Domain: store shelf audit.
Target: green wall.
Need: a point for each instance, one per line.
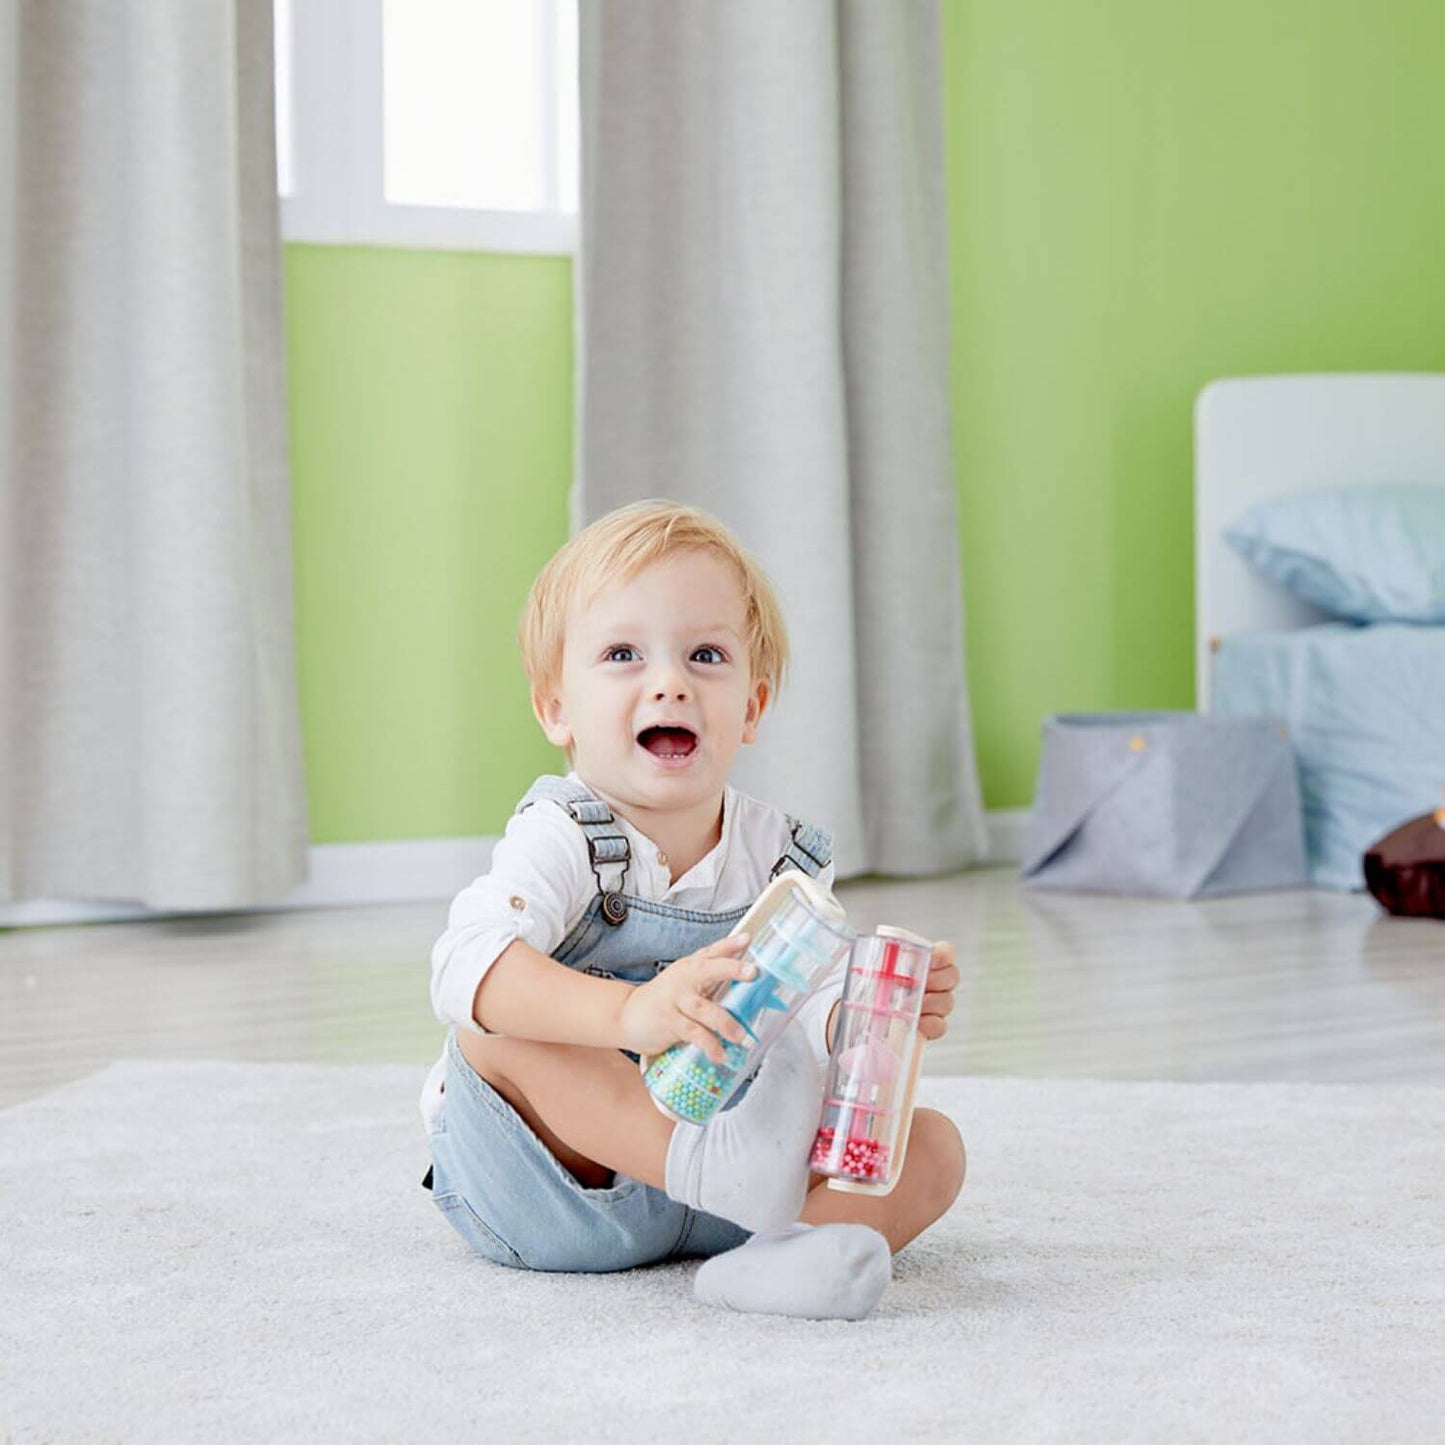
(1144, 194)
(431, 444)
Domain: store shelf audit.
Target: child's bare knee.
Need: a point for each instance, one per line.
(937, 1138)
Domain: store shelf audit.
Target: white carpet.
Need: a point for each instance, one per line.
(194, 1252)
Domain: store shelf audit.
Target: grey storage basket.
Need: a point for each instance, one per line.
(1170, 804)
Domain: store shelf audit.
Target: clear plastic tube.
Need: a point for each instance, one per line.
(871, 1071)
(793, 948)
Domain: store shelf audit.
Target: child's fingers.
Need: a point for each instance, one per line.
(728, 947)
(724, 949)
(943, 978)
(719, 965)
(689, 1031)
(715, 1021)
(711, 969)
(938, 1001)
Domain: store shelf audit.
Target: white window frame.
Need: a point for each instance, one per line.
(337, 143)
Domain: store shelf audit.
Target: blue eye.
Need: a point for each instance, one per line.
(716, 654)
(620, 653)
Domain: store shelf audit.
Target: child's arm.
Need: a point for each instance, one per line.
(538, 885)
(527, 995)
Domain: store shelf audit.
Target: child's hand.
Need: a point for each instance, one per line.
(938, 994)
(675, 1008)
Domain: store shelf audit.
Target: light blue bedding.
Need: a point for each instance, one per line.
(1366, 709)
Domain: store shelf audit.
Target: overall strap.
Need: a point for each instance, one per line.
(607, 845)
(810, 849)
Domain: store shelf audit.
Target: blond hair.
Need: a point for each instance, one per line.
(616, 548)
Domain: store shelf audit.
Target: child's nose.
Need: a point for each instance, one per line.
(671, 683)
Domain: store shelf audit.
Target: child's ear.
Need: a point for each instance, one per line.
(547, 707)
(757, 704)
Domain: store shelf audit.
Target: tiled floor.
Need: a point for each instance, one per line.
(1301, 985)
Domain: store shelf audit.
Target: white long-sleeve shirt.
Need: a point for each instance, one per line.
(540, 883)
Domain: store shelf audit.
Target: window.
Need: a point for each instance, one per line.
(432, 123)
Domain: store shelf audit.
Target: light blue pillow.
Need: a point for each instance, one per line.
(1367, 553)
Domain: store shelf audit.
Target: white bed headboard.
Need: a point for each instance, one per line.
(1268, 436)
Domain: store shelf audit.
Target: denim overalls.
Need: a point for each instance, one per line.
(498, 1184)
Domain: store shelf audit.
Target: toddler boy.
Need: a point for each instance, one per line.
(653, 644)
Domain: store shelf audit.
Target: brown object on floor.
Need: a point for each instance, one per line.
(1405, 870)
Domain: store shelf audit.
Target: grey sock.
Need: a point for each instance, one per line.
(823, 1272)
(750, 1163)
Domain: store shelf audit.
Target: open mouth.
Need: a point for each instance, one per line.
(671, 744)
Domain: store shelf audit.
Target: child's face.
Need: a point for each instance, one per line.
(656, 693)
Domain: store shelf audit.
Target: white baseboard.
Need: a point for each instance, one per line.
(417, 870)
(420, 870)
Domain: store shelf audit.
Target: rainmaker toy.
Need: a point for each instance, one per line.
(798, 933)
(873, 1072)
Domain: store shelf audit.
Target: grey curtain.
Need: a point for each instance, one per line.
(149, 739)
(763, 331)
